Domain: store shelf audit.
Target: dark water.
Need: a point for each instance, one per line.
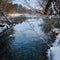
(24, 43)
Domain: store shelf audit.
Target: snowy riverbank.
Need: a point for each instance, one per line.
(3, 27)
(54, 52)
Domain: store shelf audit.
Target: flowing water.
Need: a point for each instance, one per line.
(24, 42)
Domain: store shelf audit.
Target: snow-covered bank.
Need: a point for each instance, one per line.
(54, 52)
(3, 27)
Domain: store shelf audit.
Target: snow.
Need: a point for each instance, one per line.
(56, 30)
(4, 27)
(14, 15)
(32, 3)
(54, 52)
(1, 29)
(53, 5)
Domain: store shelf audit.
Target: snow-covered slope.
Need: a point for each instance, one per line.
(54, 52)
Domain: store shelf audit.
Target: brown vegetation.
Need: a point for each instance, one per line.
(13, 8)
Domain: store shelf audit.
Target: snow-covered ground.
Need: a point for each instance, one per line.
(54, 52)
(3, 27)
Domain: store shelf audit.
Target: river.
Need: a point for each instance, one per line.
(24, 42)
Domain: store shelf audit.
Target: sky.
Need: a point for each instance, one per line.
(33, 3)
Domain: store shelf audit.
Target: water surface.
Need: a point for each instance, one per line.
(25, 43)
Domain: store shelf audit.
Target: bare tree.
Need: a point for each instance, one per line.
(3, 7)
(44, 4)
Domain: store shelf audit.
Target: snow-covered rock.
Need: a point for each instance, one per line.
(3, 27)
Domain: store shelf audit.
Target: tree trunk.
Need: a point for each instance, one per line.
(47, 6)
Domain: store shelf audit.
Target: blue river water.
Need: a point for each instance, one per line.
(25, 43)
